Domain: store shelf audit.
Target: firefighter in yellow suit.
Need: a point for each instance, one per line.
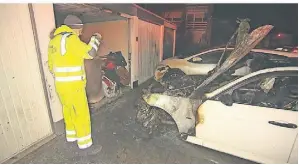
(66, 54)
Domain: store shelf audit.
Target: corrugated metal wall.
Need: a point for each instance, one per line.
(149, 50)
(24, 118)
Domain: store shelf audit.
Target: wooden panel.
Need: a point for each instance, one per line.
(149, 38)
(24, 118)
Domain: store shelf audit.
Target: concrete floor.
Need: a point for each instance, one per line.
(118, 139)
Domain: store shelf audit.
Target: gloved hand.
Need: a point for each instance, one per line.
(95, 42)
(98, 36)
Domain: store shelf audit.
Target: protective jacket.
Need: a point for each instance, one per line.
(66, 54)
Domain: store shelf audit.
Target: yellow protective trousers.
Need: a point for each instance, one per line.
(76, 112)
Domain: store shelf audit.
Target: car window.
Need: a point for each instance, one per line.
(279, 60)
(272, 91)
(209, 58)
(257, 61)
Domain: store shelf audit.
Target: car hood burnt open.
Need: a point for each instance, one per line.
(183, 109)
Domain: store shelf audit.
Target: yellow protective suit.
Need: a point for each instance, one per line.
(66, 54)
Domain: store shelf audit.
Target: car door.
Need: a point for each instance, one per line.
(256, 131)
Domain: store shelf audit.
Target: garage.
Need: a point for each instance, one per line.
(137, 33)
(128, 28)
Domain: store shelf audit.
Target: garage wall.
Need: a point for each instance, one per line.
(115, 36)
(133, 49)
(150, 48)
(45, 23)
(24, 116)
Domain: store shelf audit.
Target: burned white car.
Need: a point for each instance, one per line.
(253, 116)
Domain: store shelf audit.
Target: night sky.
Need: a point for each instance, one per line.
(284, 17)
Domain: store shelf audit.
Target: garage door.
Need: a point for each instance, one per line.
(24, 119)
(149, 38)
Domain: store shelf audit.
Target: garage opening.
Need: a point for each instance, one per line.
(115, 32)
(141, 36)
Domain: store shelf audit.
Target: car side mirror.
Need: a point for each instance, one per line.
(226, 99)
(196, 59)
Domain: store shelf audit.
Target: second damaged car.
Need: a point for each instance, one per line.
(201, 64)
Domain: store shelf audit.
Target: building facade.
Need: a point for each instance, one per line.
(194, 22)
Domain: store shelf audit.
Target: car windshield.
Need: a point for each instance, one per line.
(192, 53)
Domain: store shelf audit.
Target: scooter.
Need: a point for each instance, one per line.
(115, 75)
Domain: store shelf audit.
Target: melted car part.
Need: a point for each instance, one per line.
(267, 84)
(242, 30)
(182, 110)
(238, 53)
(282, 93)
(160, 72)
(153, 119)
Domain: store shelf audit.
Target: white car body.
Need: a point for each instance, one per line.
(249, 130)
(244, 130)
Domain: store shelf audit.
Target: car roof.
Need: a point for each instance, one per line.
(281, 53)
(268, 70)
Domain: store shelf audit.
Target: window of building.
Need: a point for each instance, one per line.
(198, 19)
(190, 17)
(177, 19)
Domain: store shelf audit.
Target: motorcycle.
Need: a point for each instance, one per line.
(115, 75)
